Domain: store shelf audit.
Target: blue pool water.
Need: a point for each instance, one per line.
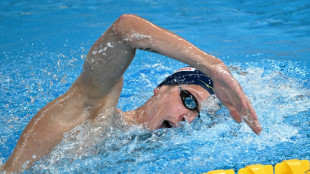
(43, 46)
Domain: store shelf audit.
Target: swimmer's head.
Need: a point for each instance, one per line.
(189, 76)
(178, 98)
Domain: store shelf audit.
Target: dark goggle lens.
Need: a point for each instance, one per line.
(190, 103)
(189, 100)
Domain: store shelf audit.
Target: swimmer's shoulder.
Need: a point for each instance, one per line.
(111, 116)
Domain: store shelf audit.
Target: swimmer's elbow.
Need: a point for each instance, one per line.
(124, 22)
(128, 17)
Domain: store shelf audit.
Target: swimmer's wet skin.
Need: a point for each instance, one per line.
(99, 86)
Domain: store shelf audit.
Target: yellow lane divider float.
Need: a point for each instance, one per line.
(293, 166)
(257, 169)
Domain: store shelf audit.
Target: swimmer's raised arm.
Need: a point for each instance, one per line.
(100, 84)
(131, 32)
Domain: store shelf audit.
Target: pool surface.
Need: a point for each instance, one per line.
(43, 45)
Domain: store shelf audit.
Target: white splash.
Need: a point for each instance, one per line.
(102, 50)
(140, 36)
(109, 44)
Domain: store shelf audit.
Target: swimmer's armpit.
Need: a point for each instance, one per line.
(148, 49)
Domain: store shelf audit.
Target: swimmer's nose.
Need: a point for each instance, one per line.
(188, 117)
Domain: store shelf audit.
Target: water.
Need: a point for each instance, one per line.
(44, 44)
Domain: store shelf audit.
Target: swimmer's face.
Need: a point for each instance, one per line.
(169, 108)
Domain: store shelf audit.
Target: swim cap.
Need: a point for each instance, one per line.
(189, 76)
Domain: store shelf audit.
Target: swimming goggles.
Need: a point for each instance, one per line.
(189, 100)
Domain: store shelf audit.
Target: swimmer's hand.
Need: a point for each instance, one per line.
(228, 90)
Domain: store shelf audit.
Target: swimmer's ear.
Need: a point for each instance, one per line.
(156, 91)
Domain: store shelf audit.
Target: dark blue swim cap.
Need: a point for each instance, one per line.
(189, 76)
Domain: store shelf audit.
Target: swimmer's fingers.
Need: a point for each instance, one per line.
(234, 114)
(250, 118)
(247, 113)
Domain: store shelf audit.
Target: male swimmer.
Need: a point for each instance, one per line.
(98, 88)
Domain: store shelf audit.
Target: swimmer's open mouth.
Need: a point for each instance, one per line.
(167, 124)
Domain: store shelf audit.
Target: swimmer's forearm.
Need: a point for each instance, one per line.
(113, 52)
(142, 34)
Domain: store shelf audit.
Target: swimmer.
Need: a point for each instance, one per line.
(98, 88)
